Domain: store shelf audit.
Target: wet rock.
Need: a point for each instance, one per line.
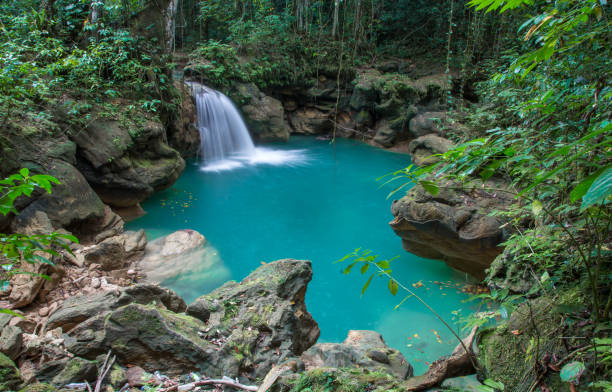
(263, 114)
(183, 255)
(76, 370)
(453, 226)
(362, 349)
(422, 148)
(183, 135)
(10, 341)
(10, 378)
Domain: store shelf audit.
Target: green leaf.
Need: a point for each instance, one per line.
(581, 189)
(430, 187)
(364, 268)
(599, 190)
(348, 269)
(393, 287)
(384, 264)
(572, 371)
(367, 284)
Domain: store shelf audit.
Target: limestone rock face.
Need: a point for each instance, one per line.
(453, 226)
(363, 349)
(123, 165)
(310, 121)
(239, 329)
(263, 114)
(423, 147)
(183, 134)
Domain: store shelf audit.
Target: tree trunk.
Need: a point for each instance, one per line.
(335, 24)
(357, 20)
(170, 23)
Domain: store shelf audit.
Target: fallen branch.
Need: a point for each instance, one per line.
(224, 381)
(458, 364)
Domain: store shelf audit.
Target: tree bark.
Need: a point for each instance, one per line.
(336, 12)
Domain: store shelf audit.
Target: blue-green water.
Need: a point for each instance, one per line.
(319, 208)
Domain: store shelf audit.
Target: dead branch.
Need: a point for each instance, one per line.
(224, 381)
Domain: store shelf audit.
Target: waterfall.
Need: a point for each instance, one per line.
(225, 142)
(223, 134)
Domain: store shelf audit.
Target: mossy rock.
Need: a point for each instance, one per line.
(339, 380)
(76, 370)
(38, 387)
(10, 378)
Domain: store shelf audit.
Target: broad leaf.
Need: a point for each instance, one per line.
(599, 190)
(572, 371)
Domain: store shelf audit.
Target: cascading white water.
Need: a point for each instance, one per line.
(223, 134)
(225, 140)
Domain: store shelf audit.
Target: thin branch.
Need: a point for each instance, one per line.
(224, 381)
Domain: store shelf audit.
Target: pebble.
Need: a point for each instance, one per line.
(42, 312)
(95, 283)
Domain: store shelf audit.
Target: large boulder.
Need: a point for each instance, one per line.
(125, 158)
(263, 114)
(361, 349)
(183, 135)
(423, 148)
(115, 252)
(239, 329)
(426, 123)
(454, 226)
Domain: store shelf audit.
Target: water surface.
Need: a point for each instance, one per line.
(320, 205)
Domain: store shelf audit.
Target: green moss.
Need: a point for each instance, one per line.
(38, 387)
(345, 380)
(10, 378)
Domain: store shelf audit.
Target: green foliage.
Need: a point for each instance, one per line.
(17, 248)
(491, 386)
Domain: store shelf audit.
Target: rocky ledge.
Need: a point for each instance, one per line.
(242, 330)
(454, 225)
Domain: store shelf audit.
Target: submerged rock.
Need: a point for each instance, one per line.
(361, 349)
(453, 226)
(183, 256)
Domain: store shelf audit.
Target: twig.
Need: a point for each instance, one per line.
(224, 381)
(104, 371)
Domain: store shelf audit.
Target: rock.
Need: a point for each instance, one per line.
(125, 160)
(72, 203)
(310, 121)
(26, 324)
(453, 226)
(183, 135)
(77, 309)
(362, 349)
(10, 379)
(49, 369)
(136, 376)
(38, 387)
(115, 252)
(423, 147)
(200, 309)
(186, 258)
(252, 325)
(5, 318)
(426, 123)
(366, 91)
(10, 341)
(76, 370)
(95, 283)
(263, 114)
(117, 377)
